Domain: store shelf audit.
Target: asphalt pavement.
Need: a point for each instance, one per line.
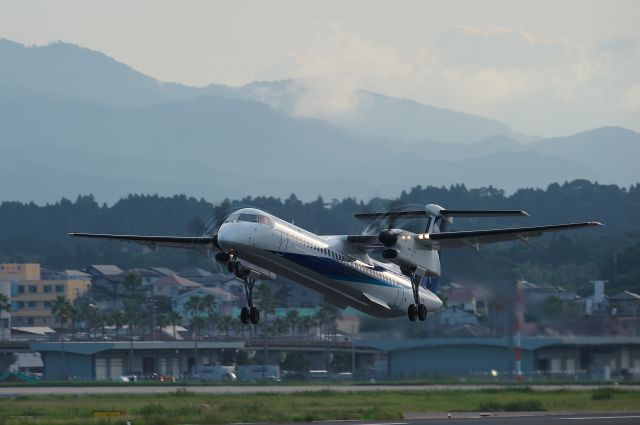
(281, 389)
(593, 418)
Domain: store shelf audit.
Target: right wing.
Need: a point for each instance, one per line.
(193, 242)
(474, 238)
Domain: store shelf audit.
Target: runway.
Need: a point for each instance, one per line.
(503, 418)
(278, 389)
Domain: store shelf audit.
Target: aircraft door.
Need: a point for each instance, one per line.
(399, 296)
(284, 243)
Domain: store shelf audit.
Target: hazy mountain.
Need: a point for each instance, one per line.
(612, 152)
(217, 147)
(377, 115)
(72, 71)
(75, 121)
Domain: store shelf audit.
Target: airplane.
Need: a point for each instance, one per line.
(257, 245)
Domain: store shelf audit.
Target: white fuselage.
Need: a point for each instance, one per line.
(346, 276)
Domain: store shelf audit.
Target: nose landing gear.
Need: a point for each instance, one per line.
(416, 310)
(249, 313)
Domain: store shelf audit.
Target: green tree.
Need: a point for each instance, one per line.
(194, 306)
(293, 318)
(209, 306)
(62, 310)
(266, 300)
(225, 324)
(174, 319)
(162, 321)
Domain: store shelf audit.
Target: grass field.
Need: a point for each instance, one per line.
(184, 407)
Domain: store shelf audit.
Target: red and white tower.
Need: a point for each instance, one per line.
(517, 330)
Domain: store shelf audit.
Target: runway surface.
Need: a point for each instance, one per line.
(281, 389)
(595, 418)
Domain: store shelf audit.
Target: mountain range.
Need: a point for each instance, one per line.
(74, 121)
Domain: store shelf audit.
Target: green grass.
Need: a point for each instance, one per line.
(187, 407)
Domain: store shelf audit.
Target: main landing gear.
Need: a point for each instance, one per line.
(249, 313)
(416, 310)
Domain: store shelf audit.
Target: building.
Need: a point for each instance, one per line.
(224, 300)
(33, 291)
(581, 357)
(171, 286)
(111, 360)
(625, 302)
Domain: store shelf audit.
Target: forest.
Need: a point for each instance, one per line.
(38, 233)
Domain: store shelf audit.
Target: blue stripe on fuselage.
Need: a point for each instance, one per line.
(335, 269)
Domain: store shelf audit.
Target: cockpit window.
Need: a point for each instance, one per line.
(248, 217)
(254, 218)
(264, 220)
(232, 218)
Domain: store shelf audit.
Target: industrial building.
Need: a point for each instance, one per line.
(584, 358)
(110, 360)
(593, 358)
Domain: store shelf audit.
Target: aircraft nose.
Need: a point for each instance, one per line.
(236, 236)
(227, 237)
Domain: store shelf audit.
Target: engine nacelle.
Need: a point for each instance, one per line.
(410, 254)
(389, 237)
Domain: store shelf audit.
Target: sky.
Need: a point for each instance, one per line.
(547, 68)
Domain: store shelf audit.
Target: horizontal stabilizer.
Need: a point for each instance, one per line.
(483, 213)
(442, 212)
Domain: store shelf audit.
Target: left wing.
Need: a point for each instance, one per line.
(193, 242)
(474, 238)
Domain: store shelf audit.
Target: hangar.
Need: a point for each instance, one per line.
(587, 357)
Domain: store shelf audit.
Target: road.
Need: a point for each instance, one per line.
(281, 389)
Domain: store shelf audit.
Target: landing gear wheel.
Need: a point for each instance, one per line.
(422, 312)
(231, 267)
(412, 312)
(254, 315)
(244, 315)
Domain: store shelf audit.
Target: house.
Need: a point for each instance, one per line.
(103, 270)
(223, 299)
(625, 302)
(171, 286)
(453, 316)
(462, 298)
(536, 293)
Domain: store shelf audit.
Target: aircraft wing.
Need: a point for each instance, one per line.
(204, 242)
(474, 238)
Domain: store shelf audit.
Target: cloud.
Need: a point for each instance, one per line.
(505, 48)
(535, 84)
(329, 73)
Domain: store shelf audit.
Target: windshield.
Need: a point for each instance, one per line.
(252, 218)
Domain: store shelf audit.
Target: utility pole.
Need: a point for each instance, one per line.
(353, 356)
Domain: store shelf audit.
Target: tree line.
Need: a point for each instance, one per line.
(37, 233)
